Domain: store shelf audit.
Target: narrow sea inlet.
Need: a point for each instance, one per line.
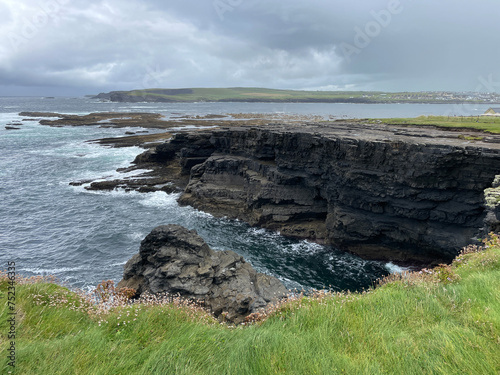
(83, 237)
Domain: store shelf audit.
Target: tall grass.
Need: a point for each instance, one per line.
(440, 321)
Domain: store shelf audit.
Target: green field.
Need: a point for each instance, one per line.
(249, 94)
(484, 123)
(441, 321)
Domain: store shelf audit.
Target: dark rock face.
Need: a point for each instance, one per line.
(175, 260)
(148, 96)
(408, 194)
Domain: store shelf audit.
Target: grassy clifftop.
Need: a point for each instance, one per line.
(243, 94)
(489, 124)
(441, 321)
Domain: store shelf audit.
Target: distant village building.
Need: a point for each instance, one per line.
(492, 112)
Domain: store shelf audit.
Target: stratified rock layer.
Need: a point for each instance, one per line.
(175, 260)
(379, 191)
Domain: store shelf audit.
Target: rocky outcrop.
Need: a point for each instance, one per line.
(153, 95)
(175, 260)
(492, 199)
(384, 192)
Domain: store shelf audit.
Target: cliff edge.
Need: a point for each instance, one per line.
(383, 192)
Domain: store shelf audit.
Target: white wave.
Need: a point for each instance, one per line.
(82, 149)
(258, 231)
(118, 264)
(134, 236)
(290, 284)
(9, 117)
(113, 175)
(109, 120)
(51, 271)
(305, 247)
(187, 127)
(393, 268)
(202, 214)
(160, 199)
(119, 193)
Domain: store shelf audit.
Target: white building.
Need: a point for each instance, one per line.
(492, 112)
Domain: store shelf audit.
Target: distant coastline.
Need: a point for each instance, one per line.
(262, 95)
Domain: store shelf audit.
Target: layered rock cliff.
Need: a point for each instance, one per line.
(376, 190)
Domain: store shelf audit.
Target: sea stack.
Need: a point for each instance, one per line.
(176, 260)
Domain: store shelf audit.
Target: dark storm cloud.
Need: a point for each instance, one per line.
(85, 47)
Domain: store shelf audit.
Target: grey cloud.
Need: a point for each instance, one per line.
(85, 47)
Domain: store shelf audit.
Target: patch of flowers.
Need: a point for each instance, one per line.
(118, 306)
(110, 305)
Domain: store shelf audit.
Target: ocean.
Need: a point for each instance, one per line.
(49, 227)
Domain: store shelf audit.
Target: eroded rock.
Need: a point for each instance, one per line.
(175, 260)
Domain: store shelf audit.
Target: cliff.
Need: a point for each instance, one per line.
(407, 194)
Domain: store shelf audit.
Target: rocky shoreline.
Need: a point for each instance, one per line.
(399, 193)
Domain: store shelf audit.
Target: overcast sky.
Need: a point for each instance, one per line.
(78, 47)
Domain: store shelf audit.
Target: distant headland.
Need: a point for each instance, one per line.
(263, 95)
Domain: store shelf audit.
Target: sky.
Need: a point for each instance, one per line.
(81, 47)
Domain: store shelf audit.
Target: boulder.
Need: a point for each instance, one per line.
(176, 260)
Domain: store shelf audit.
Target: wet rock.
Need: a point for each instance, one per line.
(104, 185)
(175, 260)
(80, 182)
